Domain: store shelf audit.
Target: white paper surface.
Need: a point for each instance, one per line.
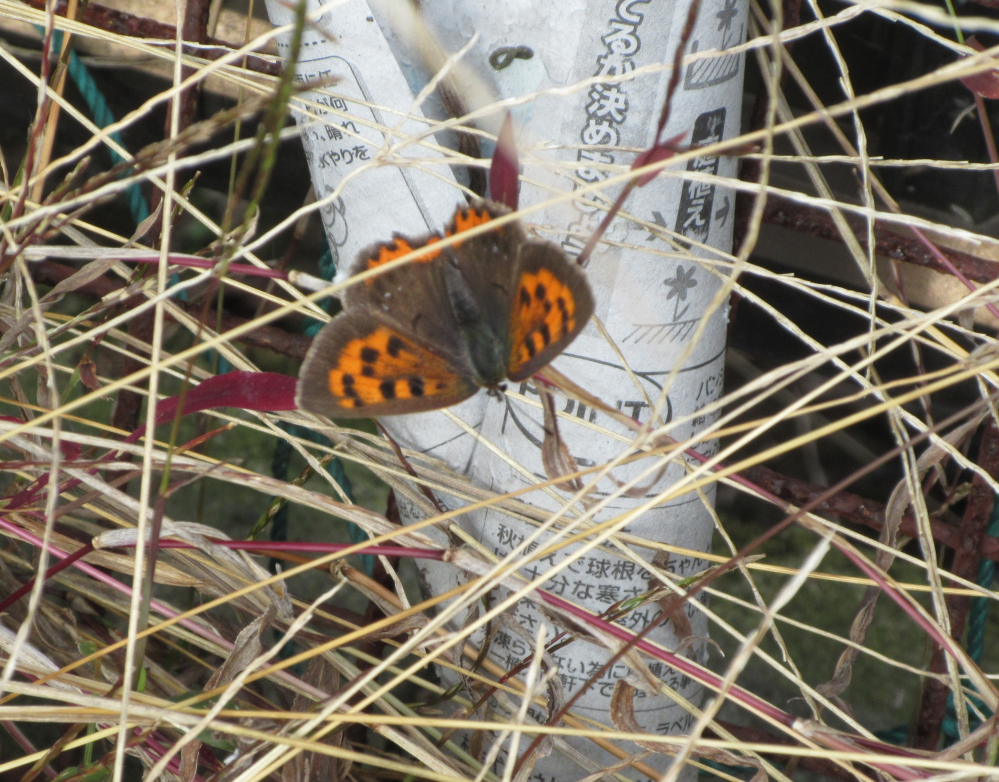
(649, 300)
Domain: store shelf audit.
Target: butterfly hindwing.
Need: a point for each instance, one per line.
(551, 303)
(363, 365)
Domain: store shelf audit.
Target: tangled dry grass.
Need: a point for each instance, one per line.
(852, 580)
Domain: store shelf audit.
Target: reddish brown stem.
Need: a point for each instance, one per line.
(933, 708)
(869, 513)
(887, 243)
(821, 766)
(123, 23)
(62, 564)
(990, 139)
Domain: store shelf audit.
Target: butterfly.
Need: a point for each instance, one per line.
(430, 333)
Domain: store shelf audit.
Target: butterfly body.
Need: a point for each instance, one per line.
(430, 333)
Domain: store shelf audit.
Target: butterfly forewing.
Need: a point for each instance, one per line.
(551, 304)
(412, 294)
(364, 365)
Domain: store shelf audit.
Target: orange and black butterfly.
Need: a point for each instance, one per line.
(430, 333)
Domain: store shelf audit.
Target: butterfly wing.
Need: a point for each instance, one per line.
(551, 304)
(412, 295)
(362, 365)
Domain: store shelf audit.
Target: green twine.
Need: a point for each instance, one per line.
(327, 269)
(978, 614)
(102, 116)
(279, 469)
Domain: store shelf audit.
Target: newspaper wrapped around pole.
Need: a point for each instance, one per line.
(652, 293)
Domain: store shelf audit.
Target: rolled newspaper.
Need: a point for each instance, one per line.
(592, 77)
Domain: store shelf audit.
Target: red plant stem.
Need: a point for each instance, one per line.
(62, 564)
(974, 526)
(707, 678)
(869, 513)
(157, 749)
(107, 580)
(182, 259)
(25, 743)
(816, 222)
(195, 29)
(821, 766)
(124, 23)
(239, 545)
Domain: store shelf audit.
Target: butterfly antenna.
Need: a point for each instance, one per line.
(475, 445)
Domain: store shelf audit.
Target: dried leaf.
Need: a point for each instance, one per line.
(555, 454)
(622, 713)
(621, 764)
(144, 227)
(672, 608)
(316, 766)
(88, 374)
(245, 650)
(88, 273)
(985, 83)
(899, 501)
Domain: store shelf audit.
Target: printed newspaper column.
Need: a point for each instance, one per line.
(652, 292)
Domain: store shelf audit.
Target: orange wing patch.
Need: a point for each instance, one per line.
(384, 367)
(544, 312)
(466, 219)
(399, 247)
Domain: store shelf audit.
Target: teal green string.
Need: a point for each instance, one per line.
(279, 469)
(978, 614)
(327, 270)
(102, 117)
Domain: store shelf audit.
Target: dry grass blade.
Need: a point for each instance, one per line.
(836, 615)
